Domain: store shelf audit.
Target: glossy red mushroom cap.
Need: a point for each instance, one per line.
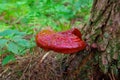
(67, 42)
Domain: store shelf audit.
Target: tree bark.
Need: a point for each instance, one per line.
(102, 34)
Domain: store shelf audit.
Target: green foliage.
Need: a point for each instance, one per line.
(13, 42)
(8, 59)
(42, 13)
(20, 18)
(51, 13)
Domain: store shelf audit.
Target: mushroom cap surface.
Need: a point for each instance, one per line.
(67, 42)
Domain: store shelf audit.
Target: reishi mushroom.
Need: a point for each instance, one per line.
(67, 42)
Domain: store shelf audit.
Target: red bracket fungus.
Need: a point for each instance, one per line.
(67, 42)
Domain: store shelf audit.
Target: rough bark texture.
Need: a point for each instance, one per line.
(102, 34)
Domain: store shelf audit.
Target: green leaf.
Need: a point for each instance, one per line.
(11, 32)
(14, 48)
(0, 52)
(3, 42)
(23, 42)
(18, 47)
(8, 59)
(7, 32)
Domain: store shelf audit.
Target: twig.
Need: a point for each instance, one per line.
(44, 57)
(4, 72)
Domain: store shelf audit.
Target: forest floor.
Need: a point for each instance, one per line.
(37, 66)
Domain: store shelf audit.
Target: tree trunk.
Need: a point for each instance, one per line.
(102, 34)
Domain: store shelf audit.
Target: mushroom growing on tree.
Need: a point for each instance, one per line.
(67, 42)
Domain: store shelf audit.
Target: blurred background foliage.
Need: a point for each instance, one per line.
(18, 14)
(23, 18)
